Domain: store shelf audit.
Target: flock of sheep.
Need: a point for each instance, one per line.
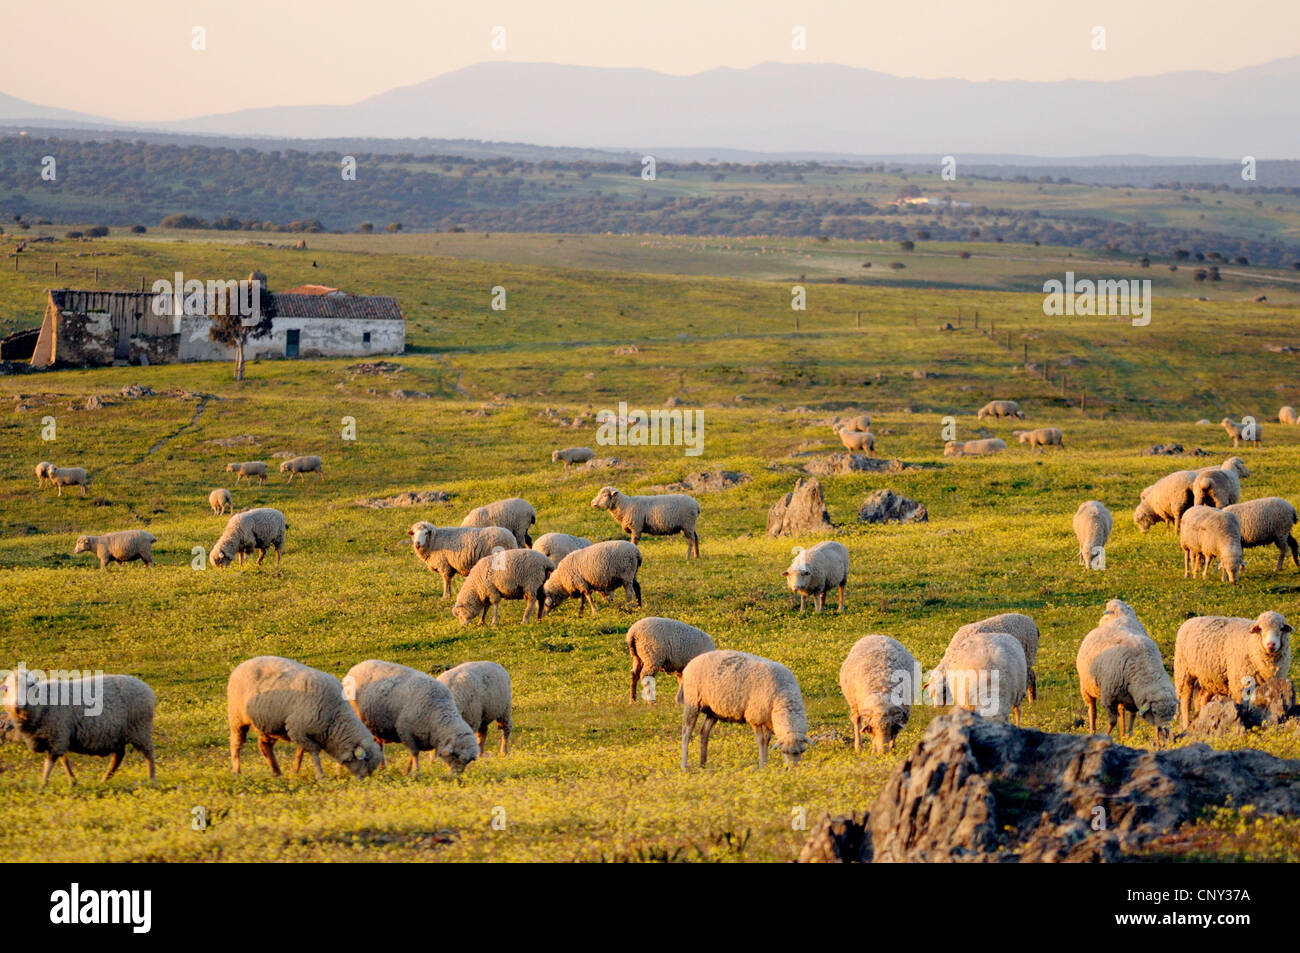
(988, 666)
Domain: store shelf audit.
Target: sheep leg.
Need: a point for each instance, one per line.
(539, 599)
(67, 766)
(689, 716)
(480, 735)
(146, 749)
(414, 762)
(45, 770)
(1016, 709)
(237, 738)
(636, 674)
(114, 760)
(857, 730)
(297, 760)
(705, 728)
(841, 608)
(761, 734)
(261, 554)
(315, 760)
(821, 600)
(321, 475)
(495, 606)
(1092, 715)
(267, 747)
(277, 557)
(60, 486)
(1031, 691)
(590, 601)
(636, 587)
(446, 584)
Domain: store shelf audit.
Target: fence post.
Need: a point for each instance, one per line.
(858, 318)
(1083, 401)
(1026, 350)
(977, 320)
(56, 268)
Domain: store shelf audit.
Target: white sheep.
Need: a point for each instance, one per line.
(661, 515)
(258, 529)
(1287, 415)
(69, 476)
(284, 700)
(482, 693)
(855, 440)
(730, 686)
(1216, 487)
(558, 545)
(1246, 429)
(879, 681)
(1267, 520)
(301, 466)
(504, 574)
(1042, 437)
(973, 448)
(817, 570)
(514, 514)
(1219, 655)
(1172, 495)
(572, 455)
(43, 470)
(658, 645)
(1092, 527)
(1000, 408)
(1144, 516)
(400, 705)
(449, 550)
(1121, 671)
(219, 501)
(859, 422)
(120, 547)
(1020, 627)
(247, 470)
(600, 567)
(96, 715)
(1208, 533)
(981, 671)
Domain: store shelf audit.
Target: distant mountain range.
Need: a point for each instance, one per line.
(792, 111)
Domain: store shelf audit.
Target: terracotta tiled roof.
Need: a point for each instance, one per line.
(367, 307)
(311, 290)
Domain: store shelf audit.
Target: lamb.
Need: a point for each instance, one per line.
(558, 545)
(219, 500)
(973, 448)
(658, 645)
(1042, 437)
(1021, 628)
(724, 685)
(1247, 429)
(1209, 533)
(69, 476)
(513, 514)
(300, 466)
(400, 705)
(878, 680)
(248, 470)
(1092, 526)
(817, 570)
(857, 439)
(43, 470)
(1267, 520)
(98, 715)
(1120, 669)
(120, 547)
(572, 455)
(1287, 415)
(661, 515)
(284, 700)
(504, 574)
(1219, 655)
(981, 671)
(481, 691)
(600, 567)
(257, 529)
(450, 550)
(999, 409)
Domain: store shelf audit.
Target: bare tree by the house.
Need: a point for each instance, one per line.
(228, 325)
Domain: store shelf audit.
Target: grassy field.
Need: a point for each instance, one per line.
(590, 776)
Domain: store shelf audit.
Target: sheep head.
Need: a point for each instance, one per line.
(606, 499)
(1273, 632)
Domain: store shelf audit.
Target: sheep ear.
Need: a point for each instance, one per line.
(359, 753)
(1255, 628)
(410, 532)
(786, 573)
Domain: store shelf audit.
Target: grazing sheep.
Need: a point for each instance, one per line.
(284, 700)
(878, 680)
(481, 691)
(572, 455)
(600, 567)
(248, 470)
(504, 574)
(556, 546)
(1120, 669)
(219, 500)
(97, 715)
(981, 671)
(69, 476)
(513, 514)
(1042, 437)
(43, 471)
(1218, 488)
(1092, 526)
(1000, 408)
(855, 440)
(1219, 655)
(257, 529)
(973, 448)
(1267, 520)
(450, 550)
(1208, 533)
(1020, 627)
(120, 547)
(1172, 495)
(658, 645)
(1287, 415)
(661, 515)
(738, 687)
(300, 466)
(817, 570)
(1144, 517)
(859, 422)
(401, 705)
(1247, 429)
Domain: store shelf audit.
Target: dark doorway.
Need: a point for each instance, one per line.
(291, 343)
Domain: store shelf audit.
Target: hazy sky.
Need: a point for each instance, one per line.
(133, 59)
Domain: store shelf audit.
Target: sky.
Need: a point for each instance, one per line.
(135, 60)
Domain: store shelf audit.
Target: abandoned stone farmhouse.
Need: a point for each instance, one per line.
(88, 328)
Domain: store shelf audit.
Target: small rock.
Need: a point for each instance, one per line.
(801, 511)
(886, 506)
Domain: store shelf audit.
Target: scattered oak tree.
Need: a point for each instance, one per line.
(229, 325)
